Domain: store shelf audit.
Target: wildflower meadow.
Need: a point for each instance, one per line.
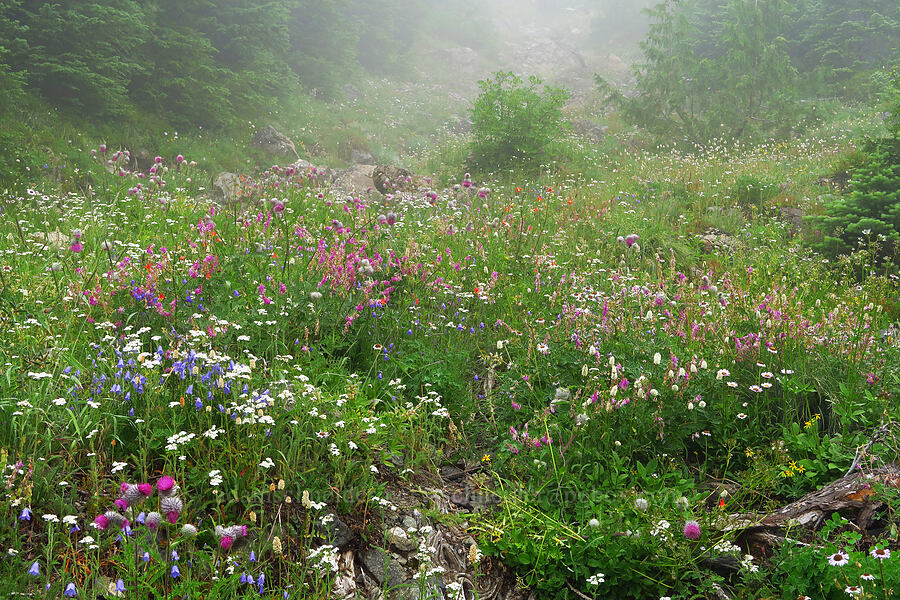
(604, 377)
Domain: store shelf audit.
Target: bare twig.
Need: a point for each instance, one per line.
(576, 592)
(878, 436)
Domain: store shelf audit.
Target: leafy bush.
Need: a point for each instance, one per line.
(847, 566)
(514, 122)
(751, 191)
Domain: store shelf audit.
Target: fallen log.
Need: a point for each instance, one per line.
(851, 492)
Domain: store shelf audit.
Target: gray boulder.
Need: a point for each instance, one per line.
(390, 180)
(337, 533)
(399, 539)
(361, 157)
(355, 180)
(226, 188)
(590, 130)
(460, 59)
(303, 166)
(272, 141)
(385, 570)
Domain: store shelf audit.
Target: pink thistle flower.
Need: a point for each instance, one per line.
(102, 521)
(145, 488)
(179, 159)
(165, 483)
(692, 530)
(226, 542)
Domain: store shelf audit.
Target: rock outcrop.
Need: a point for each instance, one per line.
(389, 180)
(355, 180)
(272, 141)
(226, 188)
(361, 157)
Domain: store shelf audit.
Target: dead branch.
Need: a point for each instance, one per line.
(850, 492)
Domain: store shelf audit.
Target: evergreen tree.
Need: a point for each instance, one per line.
(668, 80)
(756, 82)
(836, 44)
(80, 54)
(871, 212)
(323, 45)
(11, 40)
(714, 71)
(386, 30)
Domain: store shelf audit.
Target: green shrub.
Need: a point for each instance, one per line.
(750, 191)
(513, 121)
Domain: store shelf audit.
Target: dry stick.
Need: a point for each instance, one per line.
(576, 592)
(877, 436)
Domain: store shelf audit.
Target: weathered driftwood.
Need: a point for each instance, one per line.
(849, 493)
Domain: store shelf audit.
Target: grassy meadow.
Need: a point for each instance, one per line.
(625, 350)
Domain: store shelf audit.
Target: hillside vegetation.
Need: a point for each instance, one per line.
(573, 352)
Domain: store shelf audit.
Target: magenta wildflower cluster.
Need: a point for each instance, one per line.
(132, 494)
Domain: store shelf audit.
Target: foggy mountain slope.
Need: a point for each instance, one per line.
(562, 43)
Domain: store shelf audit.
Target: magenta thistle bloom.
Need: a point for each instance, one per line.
(226, 542)
(179, 159)
(76, 246)
(165, 484)
(692, 530)
(102, 521)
